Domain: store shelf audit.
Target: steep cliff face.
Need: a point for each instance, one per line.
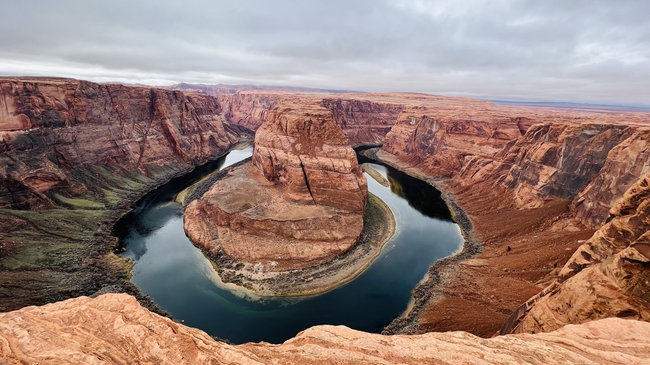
(114, 329)
(557, 160)
(365, 122)
(248, 108)
(529, 192)
(589, 159)
(606, 277)
(55, 127)
(302, 149)
(300, 203)
(73, 156)
(624, 164)
(438, 143)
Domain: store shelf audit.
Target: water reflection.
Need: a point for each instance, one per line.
(181, 281)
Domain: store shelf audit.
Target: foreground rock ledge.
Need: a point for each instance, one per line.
(115, 329)
(299, 204)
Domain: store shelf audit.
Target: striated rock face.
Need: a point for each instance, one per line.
(301, 148)
(363, 118)
(533, 195)
(625, 163)
(364, 121)
(557, 160)
(115, 329)
(300, 203)
(439, 141)
(248, 109)
(607, 276)
(54, 127)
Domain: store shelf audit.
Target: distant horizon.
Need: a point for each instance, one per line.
(583, 51)
(569, 104)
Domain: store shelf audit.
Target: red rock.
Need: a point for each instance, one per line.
(300, 203)
(606, 277)
(72, 124)
(115, 329)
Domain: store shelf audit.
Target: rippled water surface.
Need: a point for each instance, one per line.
(181, 280)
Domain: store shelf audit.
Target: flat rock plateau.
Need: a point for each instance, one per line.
(553, 204)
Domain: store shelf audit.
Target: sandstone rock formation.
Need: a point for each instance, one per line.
(50, 128)
(364, 118)
(80, 153)
(300, 203)
(607, 276)
(115, 329)
(535, 182)
(529, 193)
(365, 122)
(625, 163)
(438, 143)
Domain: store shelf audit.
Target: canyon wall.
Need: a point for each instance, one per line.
(534, 191)
(589, 159)
(365, 121)
(52, 128)
(248, 109)
(115, 329)
(74, 155)
(439, 143)
(607, 276)
(301, 148)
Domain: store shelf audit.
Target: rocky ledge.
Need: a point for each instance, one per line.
(115, 329)
(300, 203)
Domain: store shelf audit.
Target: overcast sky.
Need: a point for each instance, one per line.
(568, 50)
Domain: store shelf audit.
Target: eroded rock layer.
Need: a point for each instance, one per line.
(74, 155)
(300, 203)
(534, 192)
(52, 127)
(607, 276)
(115, 329)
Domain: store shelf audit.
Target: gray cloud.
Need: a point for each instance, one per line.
(594, 51)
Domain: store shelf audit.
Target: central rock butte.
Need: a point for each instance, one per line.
(300, 203)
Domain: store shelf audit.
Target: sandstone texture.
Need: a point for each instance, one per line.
(607, 276)
(365, 122)
(74, 155)
(115, 329)
(52, 127)
(535, 184)
(528, 191)
(300, 203)
(364, 118)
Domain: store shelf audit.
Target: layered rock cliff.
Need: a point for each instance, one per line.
(364, 119)
(301, 148)
(54, 127)
(438, 143)
(365, 122)
(73, 156)
(607, 276)
(529, 193)
(114, 329)
(300, 203)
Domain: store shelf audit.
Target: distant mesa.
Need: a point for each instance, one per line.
(299, 203)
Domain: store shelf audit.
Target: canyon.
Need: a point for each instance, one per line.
(299, 203)
(552, 203)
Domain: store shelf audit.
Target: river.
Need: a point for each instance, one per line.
(181, 280)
